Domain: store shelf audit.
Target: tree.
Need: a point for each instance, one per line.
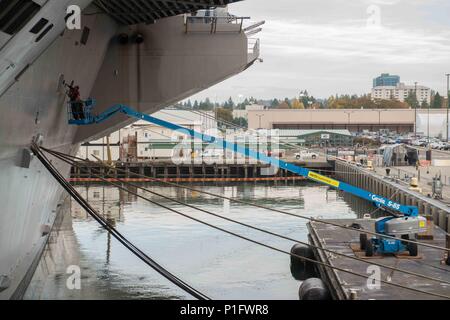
(424, 104)
(229, 104)
(296, 104)
(437, 101)
(205, 105)
(303, 93)
(411, 100)
(283, 105)
(224, 114)
(275, 103)
(306, 99)
(364, 102)
(241, 122)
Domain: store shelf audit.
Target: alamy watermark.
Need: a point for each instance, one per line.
(374, 278)
(214, 148)
(73, 17)
(73, 281)
(374, 18)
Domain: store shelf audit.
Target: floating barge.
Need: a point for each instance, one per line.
(345, 286)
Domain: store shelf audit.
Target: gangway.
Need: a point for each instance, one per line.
(403, 222)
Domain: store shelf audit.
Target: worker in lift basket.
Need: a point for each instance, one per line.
(76, 103)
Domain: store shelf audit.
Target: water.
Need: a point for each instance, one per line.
(219, 265)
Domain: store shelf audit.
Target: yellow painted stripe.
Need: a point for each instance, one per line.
(320, 178)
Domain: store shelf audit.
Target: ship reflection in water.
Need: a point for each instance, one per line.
(217, 264)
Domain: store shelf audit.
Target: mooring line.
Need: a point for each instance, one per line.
(256, 205)
(116, 234)
(263, 244)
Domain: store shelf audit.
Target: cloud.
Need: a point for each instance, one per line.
(337, 42)
(326, 47)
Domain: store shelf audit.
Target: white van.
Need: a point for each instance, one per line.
(306, 154)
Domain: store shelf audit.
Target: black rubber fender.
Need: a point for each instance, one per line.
(301, 269)
(314, 289)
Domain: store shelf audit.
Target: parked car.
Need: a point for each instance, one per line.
(438, 145)
(420, 143)
(390, 141)
(306, 154)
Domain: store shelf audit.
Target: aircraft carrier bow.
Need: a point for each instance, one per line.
(145, 53)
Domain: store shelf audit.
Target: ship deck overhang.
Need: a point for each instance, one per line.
(130, 12)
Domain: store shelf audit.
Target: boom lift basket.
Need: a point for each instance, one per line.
(80, 112)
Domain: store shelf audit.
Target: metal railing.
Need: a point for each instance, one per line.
(80, 110)
(215, 22)
(253, 47)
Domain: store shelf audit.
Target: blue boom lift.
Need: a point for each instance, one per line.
(403, 223)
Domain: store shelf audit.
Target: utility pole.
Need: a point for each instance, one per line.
(448, 100)
(260, 116)
(348, 115)
(415, 110)
(428, 125)
(379, 125)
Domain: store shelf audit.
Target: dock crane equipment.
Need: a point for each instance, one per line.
(404, 221)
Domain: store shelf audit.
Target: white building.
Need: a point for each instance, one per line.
(244, 113)
(103, 199)
(143, 140)
(98, 149)
(155, 142)
(401, 92)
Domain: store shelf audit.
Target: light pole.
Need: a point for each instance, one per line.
(348, 114)
(260, 116)
(428, 125)
(379, 124)
(448, 99)
(415, 110)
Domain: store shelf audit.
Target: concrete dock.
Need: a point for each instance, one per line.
(344, 286)
(396, 189)
(425, 176)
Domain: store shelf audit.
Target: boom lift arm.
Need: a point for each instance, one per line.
(379, 201)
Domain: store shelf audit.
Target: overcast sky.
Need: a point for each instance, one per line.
(339, 46)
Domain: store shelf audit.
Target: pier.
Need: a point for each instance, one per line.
(344, 286)
(391, 186)
(192, 172)
(430, 262)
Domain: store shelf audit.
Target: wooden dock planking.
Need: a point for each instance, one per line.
(341, 283)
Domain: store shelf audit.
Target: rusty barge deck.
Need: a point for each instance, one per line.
(344, 286)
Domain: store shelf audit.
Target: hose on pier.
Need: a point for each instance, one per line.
(116, 234)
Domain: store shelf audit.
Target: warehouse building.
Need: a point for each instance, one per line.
(315, 138)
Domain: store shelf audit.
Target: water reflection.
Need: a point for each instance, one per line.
(221, 266)
(218, 264)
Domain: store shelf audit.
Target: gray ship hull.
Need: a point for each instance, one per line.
(34, 105)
